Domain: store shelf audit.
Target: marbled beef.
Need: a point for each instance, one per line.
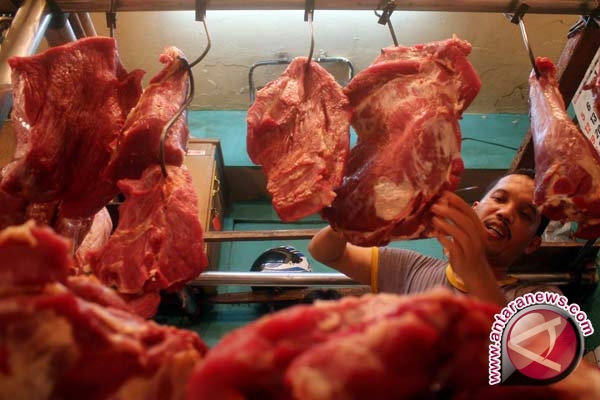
(139, 144)
(567, 179)
(407, 106)
(299, 131)
(158, 243)
(72, 338)
(69, 106)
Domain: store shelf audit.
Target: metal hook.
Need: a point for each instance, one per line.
(111, 19)
(186, 103)
(517, 18)
(384, 17)
(584, 22)
(309, 9)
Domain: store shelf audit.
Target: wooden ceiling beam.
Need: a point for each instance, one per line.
(576, 7)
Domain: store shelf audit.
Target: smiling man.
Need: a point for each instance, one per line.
(480, 241)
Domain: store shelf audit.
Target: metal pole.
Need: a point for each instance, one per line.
(284, 279)
(22, 39)
(211, 278)
(88, 24)
(60, 31)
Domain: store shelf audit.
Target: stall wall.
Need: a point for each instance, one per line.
(242, 38)
(493, 127)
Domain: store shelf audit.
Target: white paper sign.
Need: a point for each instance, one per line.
(583, 104)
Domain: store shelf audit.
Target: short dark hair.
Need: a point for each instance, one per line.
(530, 172)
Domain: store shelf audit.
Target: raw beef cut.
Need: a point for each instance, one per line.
(33, 255)
(434, 345)
(407, 106)
(567, 181)
(42, 213)
(12, 210)
(76, 339)
(158, 243)
(377, 346)
(299, 131)
(16, 211)
(139, 143)
(69, 104)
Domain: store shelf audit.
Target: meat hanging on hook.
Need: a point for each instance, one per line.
(200, 16)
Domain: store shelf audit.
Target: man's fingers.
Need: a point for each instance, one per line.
(454, 209)
(448, 245)
(451, 233)
(455, 217)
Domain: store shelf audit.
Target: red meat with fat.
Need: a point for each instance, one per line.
(77, 339)
(69, 105)
(139, 144)
(567, 181)
(299, 131)
(158, 243)
(407, 106)
(12, 210)
(376, 346)
(33, 255)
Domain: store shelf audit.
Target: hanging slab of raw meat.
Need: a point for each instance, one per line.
(376, 346)
(299, 131)
(139, 144)
(73, 338)
(567, 181)
(158, 243)
(407, 106)
(69, 105)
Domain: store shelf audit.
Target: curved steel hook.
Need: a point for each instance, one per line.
(517, 18)
(312, 39)
(309, 9)
(528, 47)
(186, 103)
(384, 18)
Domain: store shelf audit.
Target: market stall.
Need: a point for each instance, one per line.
(133, 186)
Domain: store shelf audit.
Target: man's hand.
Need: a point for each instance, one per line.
(462, 234)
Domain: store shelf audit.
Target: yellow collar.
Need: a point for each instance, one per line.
(459, 284)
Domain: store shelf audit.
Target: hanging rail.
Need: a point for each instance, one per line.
(299, 279)
(493, 6)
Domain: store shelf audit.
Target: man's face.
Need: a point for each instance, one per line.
(510, 219)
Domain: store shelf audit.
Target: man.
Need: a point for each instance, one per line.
(481, 241)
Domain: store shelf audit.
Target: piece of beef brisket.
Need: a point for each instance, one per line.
(375, 346)
(299, 131)
(407, 106)
(72, 338)
(139, 143)
(158, 243)
(70, 104)
(567, 179)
